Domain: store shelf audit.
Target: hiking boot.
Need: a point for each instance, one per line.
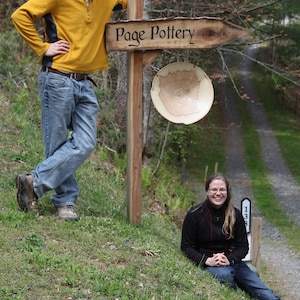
(26, 196)
(67, 213)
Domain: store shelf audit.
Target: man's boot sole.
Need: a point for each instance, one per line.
(20, 190)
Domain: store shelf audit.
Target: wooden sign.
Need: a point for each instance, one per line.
(178, 33)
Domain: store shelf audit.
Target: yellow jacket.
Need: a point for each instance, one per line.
(80, 23)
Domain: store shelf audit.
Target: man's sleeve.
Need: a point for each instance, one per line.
(23, 19)
(121, 5)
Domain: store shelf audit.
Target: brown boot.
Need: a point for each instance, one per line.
(67, 213)
(26, 196)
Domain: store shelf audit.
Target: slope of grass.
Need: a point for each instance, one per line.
(102, 256)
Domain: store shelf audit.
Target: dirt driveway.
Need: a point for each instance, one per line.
(282, 263)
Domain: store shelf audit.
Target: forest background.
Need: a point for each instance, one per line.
(273, 24)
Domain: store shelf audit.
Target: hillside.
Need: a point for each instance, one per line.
(102, 256)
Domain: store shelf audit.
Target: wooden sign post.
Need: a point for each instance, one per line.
(134, 123)
(137, 34)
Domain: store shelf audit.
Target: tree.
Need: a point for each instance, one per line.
(265, 18)
(270, 20)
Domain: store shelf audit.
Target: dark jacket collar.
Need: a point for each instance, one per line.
(214, 209)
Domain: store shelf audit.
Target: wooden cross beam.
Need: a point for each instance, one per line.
(136, 35)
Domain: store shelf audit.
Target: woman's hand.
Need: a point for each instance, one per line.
(59, 47)
(217, 260)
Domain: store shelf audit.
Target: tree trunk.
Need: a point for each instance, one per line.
(120, 97)
(148, 118)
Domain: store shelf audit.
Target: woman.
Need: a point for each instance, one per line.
(214, 237)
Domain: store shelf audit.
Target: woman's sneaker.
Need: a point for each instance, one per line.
(67, 213)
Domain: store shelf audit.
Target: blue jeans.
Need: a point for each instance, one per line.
(240, 275)
(69, 115)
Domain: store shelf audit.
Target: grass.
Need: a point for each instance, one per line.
(102, 256)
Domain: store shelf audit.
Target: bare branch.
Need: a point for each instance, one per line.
(229, 74)
(262, 6)
(268, 67)
(162, 150)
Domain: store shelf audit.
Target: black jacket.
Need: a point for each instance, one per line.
(202, 235)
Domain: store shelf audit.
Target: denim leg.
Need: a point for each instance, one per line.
(66, 193)
(249, 281)
(67, 106)
(224, 275)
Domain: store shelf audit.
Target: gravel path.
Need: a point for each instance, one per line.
(282, 263)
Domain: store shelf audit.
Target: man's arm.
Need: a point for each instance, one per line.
(24, 18)
(121, 5)
(118, 7)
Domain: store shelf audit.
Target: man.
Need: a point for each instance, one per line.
(73, 47)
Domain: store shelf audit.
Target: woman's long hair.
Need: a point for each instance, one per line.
(228, 226)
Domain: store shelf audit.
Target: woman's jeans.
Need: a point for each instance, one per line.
(69, 117)
(240, 275)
